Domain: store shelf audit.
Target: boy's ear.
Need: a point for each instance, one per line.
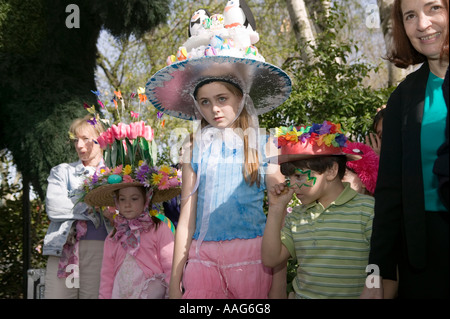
(332, 172)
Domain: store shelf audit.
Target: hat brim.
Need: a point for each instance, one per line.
(280, 159)
(104, 195)
(170, 89)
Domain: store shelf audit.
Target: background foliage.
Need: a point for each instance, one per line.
(47, 72)
(11, 231)
(331, 88)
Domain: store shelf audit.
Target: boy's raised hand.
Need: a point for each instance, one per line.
(280, 195)
(273, 252)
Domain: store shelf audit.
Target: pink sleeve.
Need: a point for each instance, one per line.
(107, 272)
(165, 245)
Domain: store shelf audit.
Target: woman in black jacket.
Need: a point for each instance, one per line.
(410, 236)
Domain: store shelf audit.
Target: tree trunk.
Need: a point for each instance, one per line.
(303, 28)
(395, 74)
(318, 11)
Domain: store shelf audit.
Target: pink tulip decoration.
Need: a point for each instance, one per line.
(140, 126)
(123, 131)
(101, 142)
(109, 136)
(119, 131)
(106, 138)
(132, 131)
(115, 130)
(148, 133)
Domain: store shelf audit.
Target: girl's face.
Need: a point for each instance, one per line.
(89, 152)
(218, 104)
(426, 25)
(130, 202)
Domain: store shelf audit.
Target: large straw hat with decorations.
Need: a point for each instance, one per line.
(162, 181)
(220, 47)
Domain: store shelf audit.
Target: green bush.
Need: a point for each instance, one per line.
(330, 88)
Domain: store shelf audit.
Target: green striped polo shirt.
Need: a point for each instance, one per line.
(331, 245)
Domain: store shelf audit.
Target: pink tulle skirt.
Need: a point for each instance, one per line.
(229, 269)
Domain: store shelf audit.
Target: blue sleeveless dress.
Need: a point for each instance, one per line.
(235, 208)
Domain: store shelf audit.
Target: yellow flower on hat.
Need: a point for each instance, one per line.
(292, 136)
(282, 130)
(156, 178)
(153, 212)
(127, 170)
(328, 139)
(165, 169)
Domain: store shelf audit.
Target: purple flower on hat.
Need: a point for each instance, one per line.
(324, 129)
(92, 121)
(141, 172)
(94, 178)
(341, 139)
(304, 137)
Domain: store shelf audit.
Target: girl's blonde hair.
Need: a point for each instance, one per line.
(251, 164)
(81, 123)
(250, 169)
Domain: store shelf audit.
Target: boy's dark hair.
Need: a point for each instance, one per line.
(317, 163)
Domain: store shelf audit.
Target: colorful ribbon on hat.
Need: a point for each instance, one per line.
(164, 219)
(326, 133)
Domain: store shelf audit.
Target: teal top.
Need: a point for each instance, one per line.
(432, 137)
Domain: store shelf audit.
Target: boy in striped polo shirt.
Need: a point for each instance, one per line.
(329, 234)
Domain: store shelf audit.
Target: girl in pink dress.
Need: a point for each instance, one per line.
(137, 258)
(137, 255)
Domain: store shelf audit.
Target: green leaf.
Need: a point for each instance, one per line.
(107, 156)
(115, 153)
(120, 153)
(145, 150)
(153, 152)
(130, 151)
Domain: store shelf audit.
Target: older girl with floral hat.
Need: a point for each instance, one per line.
(222, 82)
